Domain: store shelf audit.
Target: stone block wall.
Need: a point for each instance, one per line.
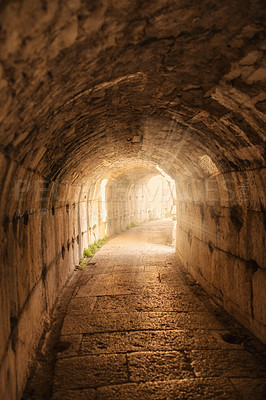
(220, 240)
(91, 88)
(45, 226)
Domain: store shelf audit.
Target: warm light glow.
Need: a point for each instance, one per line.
(102, 195)
(155, 189)
(164, 174)
(159, 197)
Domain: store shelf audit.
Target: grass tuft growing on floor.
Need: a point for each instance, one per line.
(94, 247)
(133, 224)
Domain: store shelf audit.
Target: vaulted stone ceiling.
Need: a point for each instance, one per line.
(97, 89)
(88, 86)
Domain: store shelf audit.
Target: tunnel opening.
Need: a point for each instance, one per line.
(134, 196)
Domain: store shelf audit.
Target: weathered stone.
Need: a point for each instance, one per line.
(86, 394)
(233, 363)
(258, 295)
(158, 366)
(8, 381)
(247, 387)
(258, 75)
(166, 341)
(89, 371)
(190, 389)
(113, 90)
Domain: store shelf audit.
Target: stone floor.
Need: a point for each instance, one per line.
(132, 325)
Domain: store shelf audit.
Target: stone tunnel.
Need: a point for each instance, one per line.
(99, 96)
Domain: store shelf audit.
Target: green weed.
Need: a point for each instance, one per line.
(93, 248)
(87, 253)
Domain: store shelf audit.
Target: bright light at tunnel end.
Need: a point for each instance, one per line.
(164, 174)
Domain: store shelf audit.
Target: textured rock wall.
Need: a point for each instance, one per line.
(44, 230)
(221, 241)
(92, 88)
(46, 226)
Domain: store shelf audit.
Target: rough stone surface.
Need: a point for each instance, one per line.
(94, 90)
(170, 342)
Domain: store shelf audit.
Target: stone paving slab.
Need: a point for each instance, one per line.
(81, 305)
(187, 389)
(231, 363)
(90, 371)
(154, 260)
(249, 388)
(121, 342)
(69, 345)
(87, 394)
(155, 366)
(149, 303)
(102, 286)
(130, 269)
(134, 278)
(152, 340)
(135, 321)
(96, 268)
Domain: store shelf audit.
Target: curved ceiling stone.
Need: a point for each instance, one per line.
(89, 85)
(111, 89)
